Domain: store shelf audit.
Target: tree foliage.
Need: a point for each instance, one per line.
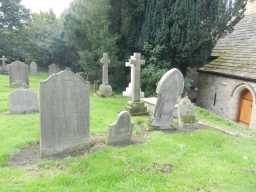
(13, 18)
(46, 40)
(169, 33)
(87, 31)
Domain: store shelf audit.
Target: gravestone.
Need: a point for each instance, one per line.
(186, 115)
(8, 68)
(128, 91)
(18, 75)
(64, 100)
(105, 90)
(53, 68)
(120, 133)
(169, 90)
(136, 106)
(23, 101)
(3, 66)
(33, 68)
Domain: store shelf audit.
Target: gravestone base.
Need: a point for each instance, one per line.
(65, 151)
(105, 91)
(19, 85)
(187, 123)
(188, 127)
(128, 92)
(162, 126)
(137, 108)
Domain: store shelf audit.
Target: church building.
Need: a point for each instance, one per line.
(227, 85)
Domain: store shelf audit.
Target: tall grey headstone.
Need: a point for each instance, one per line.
(3, 66)
(105, 89)
(18, 74)
(64, 103)
(33, 68)
(23, 101)
(53, 68)
(136, 106)
(120, 133)
(169, 90)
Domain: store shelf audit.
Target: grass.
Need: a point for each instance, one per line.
(201, 161)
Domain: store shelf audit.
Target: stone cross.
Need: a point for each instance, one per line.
(128, 64)
(3, 59)
(136, 62)
(105, 61)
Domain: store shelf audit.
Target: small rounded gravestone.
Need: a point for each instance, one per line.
(186, 114)
(120, 133)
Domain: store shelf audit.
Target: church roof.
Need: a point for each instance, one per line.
(236, 52)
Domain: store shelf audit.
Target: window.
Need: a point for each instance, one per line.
(215, 99)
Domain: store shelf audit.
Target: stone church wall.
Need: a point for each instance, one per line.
(222, 95)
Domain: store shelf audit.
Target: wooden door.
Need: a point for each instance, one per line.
(245, 112)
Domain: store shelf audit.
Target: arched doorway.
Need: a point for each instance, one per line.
(245, 109)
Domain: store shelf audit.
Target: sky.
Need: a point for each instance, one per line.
(58, 6)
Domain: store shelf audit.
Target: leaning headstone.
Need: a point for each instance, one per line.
(3, 66)
(33, 68)
(136, 106)
(23, 101)
(53, 68)
(169, 90)
(105, 90)
(64, 103)
(120, 133)
(186, 115)
(18, 74)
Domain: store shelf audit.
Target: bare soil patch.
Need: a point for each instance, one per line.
(30, 155)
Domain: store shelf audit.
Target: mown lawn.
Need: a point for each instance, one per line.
(201, 161)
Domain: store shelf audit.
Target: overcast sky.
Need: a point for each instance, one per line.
(58, 6)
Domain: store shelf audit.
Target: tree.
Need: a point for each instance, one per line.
(12, 14)
(13, 18)
(87, 31)
(170, 33)
(126, 20)
(182, 33)
(45, 43)
(187, 29)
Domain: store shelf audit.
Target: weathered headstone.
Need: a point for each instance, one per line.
(136, 106)
(64, 114)
(105, 89)
(128, 91)
(18, 74)
(33, 68)
(120, 133)
(23, 101)
(186, 115)
(8, 68)
(3, 66)
(169, 90)
(53, 68)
